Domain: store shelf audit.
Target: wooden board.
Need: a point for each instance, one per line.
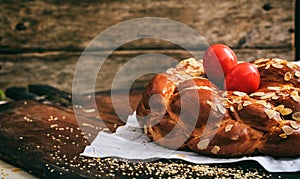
(45, 140)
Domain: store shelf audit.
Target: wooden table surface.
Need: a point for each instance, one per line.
(46, 140)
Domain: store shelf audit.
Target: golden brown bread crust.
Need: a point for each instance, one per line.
(182, 109)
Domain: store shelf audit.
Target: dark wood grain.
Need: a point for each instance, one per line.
(42, 26)
(30, 139)
(57, 69)
(41, 138)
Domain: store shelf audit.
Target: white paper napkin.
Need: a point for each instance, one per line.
(130, 142)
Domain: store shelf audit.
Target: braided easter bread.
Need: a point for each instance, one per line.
(182, 109)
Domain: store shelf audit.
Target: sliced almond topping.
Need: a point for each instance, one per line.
(287, 87)
(225, 104)
(297, 74)
(212, 105)
(296, 98)
(237, 100)
(229, 102)
(294, 93)
(247, 103)
(288, 76)
(275, 97)
(262, 102)
(145, 129)
(239, 93)
(278, 60)
(281, 94)
(276, 88)
(235, 137)
(285, 111)
(267, 66)
(276, 65)
(268, 95)
(270, 113)
(290, 65)
(202, 144)
(261, 60)
(294, 125)
(259, 93)
(258, 66)
(283, 135)
(232, 110)
(296, 116)
(288, 130)
(240, 107)
(221, 108)
(215, 149)
(279, 107)
(228, 127)
(225, 94)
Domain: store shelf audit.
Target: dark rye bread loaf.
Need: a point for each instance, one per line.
(182, 109)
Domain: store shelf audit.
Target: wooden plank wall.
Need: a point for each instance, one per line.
(41, 41)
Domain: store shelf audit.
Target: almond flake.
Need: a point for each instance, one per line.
(288, 130)
(267, 66)
(296, 116)
(268, 95)
(288, 87)
(261, 60)
(297, 74)
(285, 111)
(239, 93)
(276, 65)
(237, 100)
(230, 102)
(225, 104)
(215, 149)
(294, 93)
(270, 113)
(232, 110)
(240, 107)
(294, 125)
(282, 94)
(288, 76)
(247, 103)
(290, 65)
(296, 98)
(235, 137)
(228, 127)
(278, 60)
(212, 105)
(225, 94)
(262, 102)
(145, 129)
(276, 88)
(279, 107)
(203, 144)
(221, 108)
(259, 93)
(275, 97)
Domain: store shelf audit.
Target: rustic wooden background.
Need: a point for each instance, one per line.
(41, 41)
